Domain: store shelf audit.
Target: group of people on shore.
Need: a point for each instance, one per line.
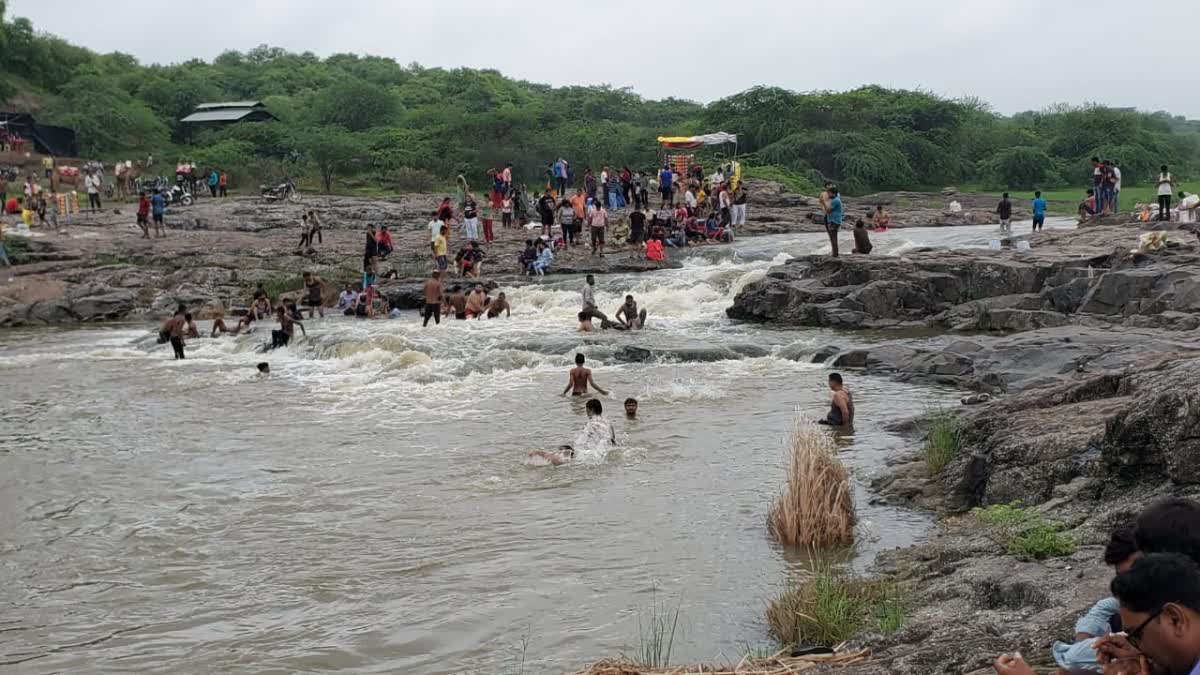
(1150, 622)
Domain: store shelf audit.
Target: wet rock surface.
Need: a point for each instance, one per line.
(1089, 354)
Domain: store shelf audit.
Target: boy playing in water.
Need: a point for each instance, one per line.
(585, 323)
(579, 378)
(564, 454)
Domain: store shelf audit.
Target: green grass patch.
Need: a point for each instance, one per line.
(831, 606)
(657, 626)
(1025, 533)
(796, 182)
(941, 442)
(1065, 200)
(282, 284)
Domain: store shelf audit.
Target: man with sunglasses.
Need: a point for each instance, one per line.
(1160, 605)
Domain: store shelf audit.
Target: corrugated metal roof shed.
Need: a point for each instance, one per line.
(229, 104)
(227, 115)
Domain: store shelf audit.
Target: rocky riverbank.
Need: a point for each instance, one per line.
(98, 268)
(1091, 355)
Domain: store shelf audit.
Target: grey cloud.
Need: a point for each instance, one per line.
(1015, 54)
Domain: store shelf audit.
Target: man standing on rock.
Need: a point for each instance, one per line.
(841, 409)
(1039, 211)
(833, 218)
(589, 300)
(1004, 210)
(158, 204)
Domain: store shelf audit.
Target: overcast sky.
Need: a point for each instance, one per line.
(1015, 54)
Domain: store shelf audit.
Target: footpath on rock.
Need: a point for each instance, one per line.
(1090, 352)
(218, 250)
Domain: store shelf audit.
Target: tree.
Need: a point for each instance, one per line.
(1020, 168)
(355, 105)
(334, 151)
(106, 118)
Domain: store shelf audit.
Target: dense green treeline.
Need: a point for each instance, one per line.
(410, 127)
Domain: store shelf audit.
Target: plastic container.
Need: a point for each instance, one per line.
(1023, 245)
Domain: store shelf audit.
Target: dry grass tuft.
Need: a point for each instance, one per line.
(816, 509)
(777, 664)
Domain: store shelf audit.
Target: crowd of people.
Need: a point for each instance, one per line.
(1151, 621)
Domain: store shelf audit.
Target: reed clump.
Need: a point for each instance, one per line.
(816, 507)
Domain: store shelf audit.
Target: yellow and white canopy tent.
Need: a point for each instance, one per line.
(682, 163)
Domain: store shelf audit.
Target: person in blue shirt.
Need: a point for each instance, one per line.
(1039, 211)
(214, 179)
(664, 186)
(158, 204)
(833, 221)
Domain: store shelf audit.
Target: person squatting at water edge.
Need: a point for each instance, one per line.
(1150, 623)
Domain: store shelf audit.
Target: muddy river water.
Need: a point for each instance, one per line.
(368, 508)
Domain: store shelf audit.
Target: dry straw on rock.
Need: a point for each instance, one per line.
(816, 509)
(779, 664)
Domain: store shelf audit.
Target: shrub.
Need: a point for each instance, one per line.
(941, 443)
(1019, 168)
(817, 507)
(829, 606)
(1025, 533)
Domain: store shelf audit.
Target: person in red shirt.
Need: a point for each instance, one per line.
(143, 214)
(654, 251)
(223, 185)
(384, 239)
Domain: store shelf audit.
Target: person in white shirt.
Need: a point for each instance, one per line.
(1165, 184)
(435, 228)
(689, 200)
(92, 183)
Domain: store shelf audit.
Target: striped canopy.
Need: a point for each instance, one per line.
(696, 141)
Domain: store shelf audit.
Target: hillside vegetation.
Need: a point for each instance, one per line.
(372, 121)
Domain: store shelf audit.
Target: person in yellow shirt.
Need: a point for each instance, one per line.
(440, 246)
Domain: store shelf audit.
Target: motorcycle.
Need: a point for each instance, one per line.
(285, 190)
(177, 194)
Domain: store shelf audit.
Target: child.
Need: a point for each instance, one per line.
(506, 212)
(143, 214)
(862, 240)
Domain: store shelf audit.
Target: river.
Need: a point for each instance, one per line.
(368, 507)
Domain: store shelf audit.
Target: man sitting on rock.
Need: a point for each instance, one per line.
(1087, 208)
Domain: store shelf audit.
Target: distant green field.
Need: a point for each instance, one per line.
(1066, 200)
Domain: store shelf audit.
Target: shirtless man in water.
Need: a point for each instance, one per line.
(580, 378)
(629, 316)
(841, 408)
